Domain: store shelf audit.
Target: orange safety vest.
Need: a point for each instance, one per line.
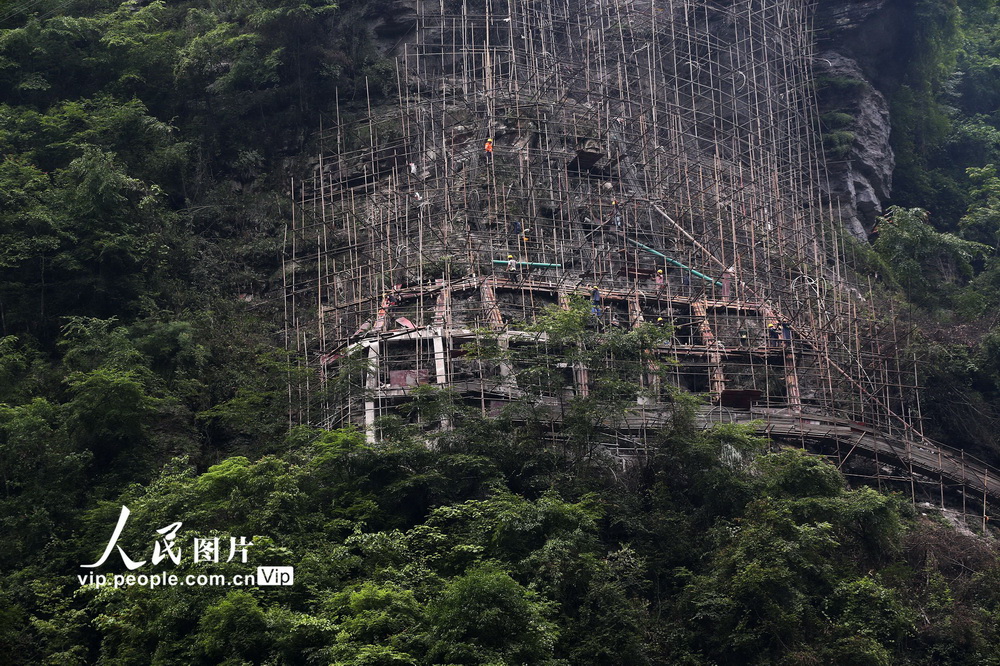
(488, 147)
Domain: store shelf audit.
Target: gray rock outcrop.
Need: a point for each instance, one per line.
(860, 172)
(855, 68)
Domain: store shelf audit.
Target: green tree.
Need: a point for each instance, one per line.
(926, 263)
(42, 475)
(982, 221)
(486, 617)
(233, 630)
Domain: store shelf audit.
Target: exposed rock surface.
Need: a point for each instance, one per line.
(861, 175)
(858, 51)
(869, 32)
(392, 22)
(857, 64)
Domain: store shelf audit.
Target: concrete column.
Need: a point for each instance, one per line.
(440, 363)
(374, 389)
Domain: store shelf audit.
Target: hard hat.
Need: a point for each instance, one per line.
(660, 271)
(489, 140)
(614, 202)
(510, 256)
(659, 319)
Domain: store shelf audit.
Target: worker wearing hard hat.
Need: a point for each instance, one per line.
(773, 335)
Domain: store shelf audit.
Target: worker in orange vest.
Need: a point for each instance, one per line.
(488, 148)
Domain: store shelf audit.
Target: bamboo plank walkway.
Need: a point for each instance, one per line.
(919, 455)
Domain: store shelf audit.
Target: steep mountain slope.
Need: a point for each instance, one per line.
(146, 150)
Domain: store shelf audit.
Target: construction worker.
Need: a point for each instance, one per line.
(595, 295)
(744, 338)
(616, 215)
(488, 148)
(773, 335)
(413, 168)
(786, 334)
(512, 267)
(517, 226)
(389, 301)
(615, 321)
(727, 281)
(661, 281)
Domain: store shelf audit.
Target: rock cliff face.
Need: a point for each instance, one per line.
(860, 167)
(858, 63)
(660, 160)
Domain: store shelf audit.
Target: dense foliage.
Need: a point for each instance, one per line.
(491, 548)
(143, 153)
(939, 246)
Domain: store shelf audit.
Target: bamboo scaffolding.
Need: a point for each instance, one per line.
(696, 117)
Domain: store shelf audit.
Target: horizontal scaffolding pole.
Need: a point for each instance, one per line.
(529, 263)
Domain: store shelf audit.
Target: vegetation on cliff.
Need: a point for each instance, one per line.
(942, 239)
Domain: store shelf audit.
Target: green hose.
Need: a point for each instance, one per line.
(674, 262)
